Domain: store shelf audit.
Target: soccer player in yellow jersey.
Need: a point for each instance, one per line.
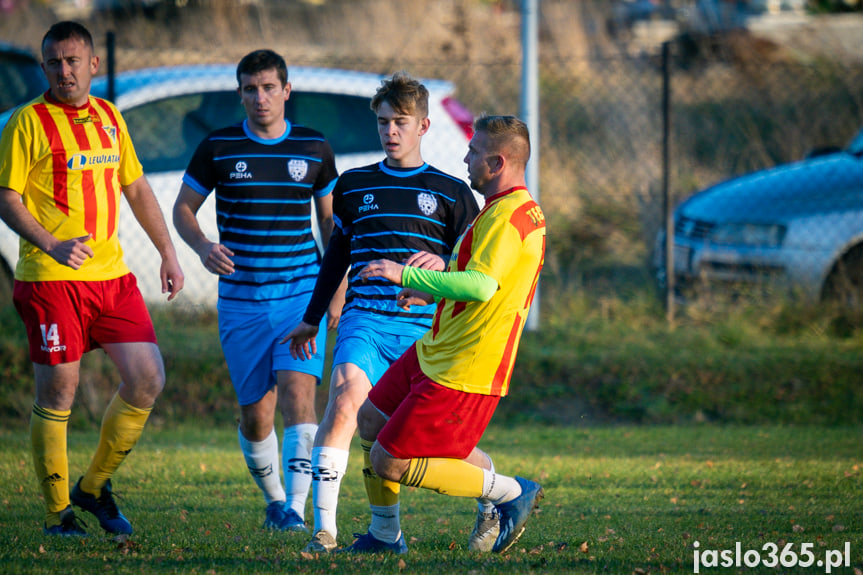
(429, 410)
(65, 158)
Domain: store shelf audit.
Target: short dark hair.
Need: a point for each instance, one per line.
(261, 60)
(64, 31)
(506, 134)
(404, 93)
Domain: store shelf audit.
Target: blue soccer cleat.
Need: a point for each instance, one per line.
(70, 525)
(514, 514)
(103, 507)
(368, 543)
(283, 518)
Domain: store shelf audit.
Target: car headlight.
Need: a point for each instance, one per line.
(750, 235)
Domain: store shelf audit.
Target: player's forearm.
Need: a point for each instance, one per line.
(468, 285)
(22, 222)
(336, 261)
(188, 228)
(146, 209)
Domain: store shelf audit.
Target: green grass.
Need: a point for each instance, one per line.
(618, 500)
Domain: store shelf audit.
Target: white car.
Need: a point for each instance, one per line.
(169, 110)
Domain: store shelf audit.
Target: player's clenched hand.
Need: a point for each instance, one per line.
(408, 297)
(72, 252)
(171, 275)
(217, 259)
(426, 261)
(302, 338)
(386, 269)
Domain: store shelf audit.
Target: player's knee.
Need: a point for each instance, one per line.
(149, 381)
(366, 422)
(384, 464)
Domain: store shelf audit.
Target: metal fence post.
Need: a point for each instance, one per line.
(530, 115)
(667, 208)
(111, 44)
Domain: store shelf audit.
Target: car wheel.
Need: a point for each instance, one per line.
(844, 284)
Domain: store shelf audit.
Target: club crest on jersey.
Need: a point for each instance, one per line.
(240, 172)
(368, 204)
(427, 203)
(298, 169)
(112, 133)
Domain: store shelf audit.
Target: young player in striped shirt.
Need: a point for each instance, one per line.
(404, 210)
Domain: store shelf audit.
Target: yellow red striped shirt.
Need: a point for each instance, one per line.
(70, 165)
(472, 346)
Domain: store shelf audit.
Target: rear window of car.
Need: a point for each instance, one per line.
(167, 131)
(21, 79)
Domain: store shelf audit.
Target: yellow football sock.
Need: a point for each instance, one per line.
(48, 446)
(447, 476)
(122, 426)
(381, 492)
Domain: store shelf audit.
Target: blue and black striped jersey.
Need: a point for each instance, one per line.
(392, 213)
(264, 192)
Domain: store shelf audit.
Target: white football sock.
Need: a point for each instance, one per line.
(328, 468)
(297, 464)
(485, 505)
(262, 459)
(385, 524)
(499, 488)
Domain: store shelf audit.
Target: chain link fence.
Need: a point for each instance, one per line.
(732, 111)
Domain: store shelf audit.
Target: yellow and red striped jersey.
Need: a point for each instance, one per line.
(472, 345)
(70, 165)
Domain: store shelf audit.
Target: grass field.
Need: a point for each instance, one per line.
(621, 499)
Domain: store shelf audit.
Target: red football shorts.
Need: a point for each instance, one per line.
(427, 419)
(65, 319)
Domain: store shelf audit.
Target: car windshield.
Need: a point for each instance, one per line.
(167, 131)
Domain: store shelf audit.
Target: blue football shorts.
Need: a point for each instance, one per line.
(250, 342)
(371, 343)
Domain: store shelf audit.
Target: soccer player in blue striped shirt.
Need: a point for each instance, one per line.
(266, 172)
(401, 209)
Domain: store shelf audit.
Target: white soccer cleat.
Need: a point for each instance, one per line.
(485, 531)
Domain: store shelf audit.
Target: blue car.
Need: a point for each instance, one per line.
(795, 229)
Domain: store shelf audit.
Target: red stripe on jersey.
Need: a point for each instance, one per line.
(111, 196)
(462, 259)
(108, 110)
(88, 187)
(58, 157)
(527, 219)
(465, 250)
(458, 307)
(501, 376)
(91, 208)
(107, 143)
(104, 137)
(536, 277)
(436, 322)
(79, 130)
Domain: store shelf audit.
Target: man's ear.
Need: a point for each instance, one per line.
(425, 123)
(496, 163)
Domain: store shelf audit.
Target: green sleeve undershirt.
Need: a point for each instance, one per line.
(468, 285)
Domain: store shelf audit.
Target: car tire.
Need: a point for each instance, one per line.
(844, 283)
